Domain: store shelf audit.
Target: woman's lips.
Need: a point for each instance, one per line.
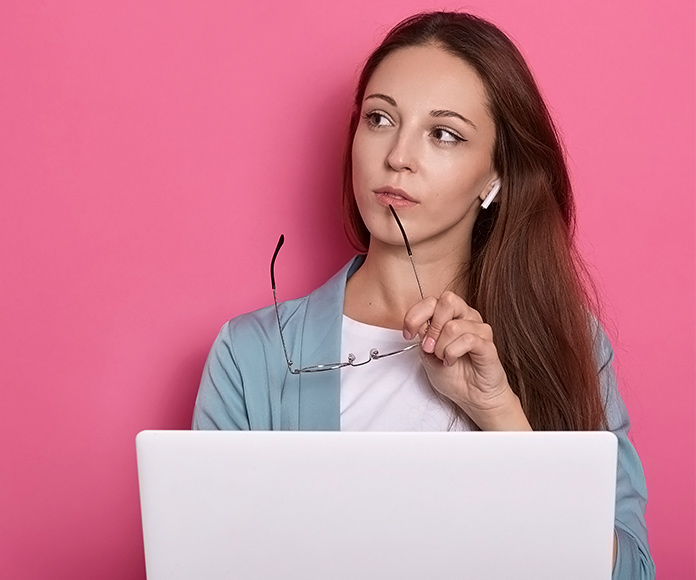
(397, 198)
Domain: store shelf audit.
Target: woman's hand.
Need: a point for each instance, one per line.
(462, 363)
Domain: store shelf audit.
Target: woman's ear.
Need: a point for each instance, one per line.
(495, 188)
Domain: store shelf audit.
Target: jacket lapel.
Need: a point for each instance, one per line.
(319, 396)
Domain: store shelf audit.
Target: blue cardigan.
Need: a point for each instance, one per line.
(246, 385)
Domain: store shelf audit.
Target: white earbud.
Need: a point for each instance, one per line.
(491, 196)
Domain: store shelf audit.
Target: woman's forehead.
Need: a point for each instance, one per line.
(431, 78)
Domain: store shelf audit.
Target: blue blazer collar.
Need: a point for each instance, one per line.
(319, 396)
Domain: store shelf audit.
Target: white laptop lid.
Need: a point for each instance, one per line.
(361, 506)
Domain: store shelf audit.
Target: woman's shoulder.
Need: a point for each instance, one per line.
(603, 351)
(292, 313)
(601, 343)
(259, 321)
(616, 414)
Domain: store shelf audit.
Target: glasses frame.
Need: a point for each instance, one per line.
(374, 353)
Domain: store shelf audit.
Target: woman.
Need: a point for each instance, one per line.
(457, 195)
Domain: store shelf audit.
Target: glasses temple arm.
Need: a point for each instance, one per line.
(281, 241)
(408, 249)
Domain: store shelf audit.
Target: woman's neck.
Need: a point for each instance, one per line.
(385, 287)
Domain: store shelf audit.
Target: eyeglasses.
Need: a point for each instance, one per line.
(352, 359)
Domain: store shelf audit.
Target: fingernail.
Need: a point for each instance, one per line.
(429, 344)
(407, 335)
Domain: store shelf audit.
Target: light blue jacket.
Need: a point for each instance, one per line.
(246, 385)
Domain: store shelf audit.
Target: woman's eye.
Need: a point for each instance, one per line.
(446, 136)
(376, 119)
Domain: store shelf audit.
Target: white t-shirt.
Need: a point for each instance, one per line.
(389, 394)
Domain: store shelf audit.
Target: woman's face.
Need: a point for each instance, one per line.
(424, 143)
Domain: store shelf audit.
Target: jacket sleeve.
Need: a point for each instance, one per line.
(633, 561)
(220, 403)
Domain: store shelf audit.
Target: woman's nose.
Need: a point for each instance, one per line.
(403, 155)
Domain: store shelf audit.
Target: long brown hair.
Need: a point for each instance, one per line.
(524, 276)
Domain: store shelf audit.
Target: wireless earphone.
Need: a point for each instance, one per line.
(491, 195)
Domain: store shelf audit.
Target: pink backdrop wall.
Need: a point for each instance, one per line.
(151, 152)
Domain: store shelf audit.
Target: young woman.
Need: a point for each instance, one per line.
(466, 308)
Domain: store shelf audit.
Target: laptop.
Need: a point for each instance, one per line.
(361, 506)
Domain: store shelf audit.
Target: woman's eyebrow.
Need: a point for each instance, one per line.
(446, 113)
(387, 98)
(435, 113)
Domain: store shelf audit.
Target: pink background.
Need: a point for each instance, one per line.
(150, 154)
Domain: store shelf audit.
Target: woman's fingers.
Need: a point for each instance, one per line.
(448, 308)
(457, 339)
(455, 334)
(450, 329)
(416, 319)
(481, 350)
(428, 317)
